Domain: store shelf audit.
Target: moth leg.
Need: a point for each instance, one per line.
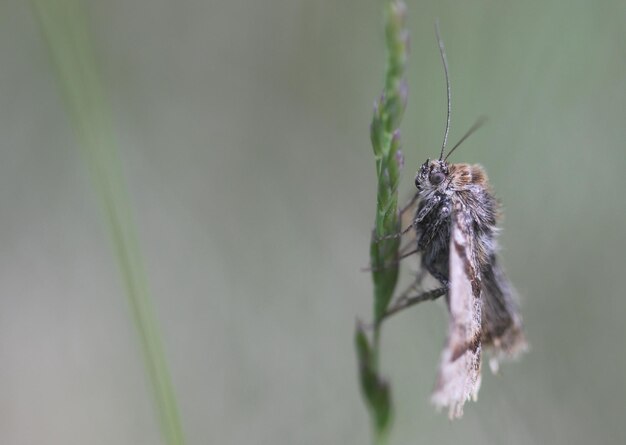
(416, 283)
(405, 249)
(440, 277)
(402, 255)
(410, 204)
(401, 212)
(393, 235)
(419, 276)
(406, 301)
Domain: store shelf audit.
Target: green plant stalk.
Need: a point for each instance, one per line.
(65, 29)
(385, 139)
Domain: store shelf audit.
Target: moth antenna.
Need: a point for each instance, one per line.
(442, 51)
(479, 123)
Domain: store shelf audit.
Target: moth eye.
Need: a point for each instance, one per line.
(417, 181)
(436, 178)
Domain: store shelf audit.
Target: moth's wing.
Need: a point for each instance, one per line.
(459, 371)
(501, 324)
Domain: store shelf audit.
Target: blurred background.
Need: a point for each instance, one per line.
(243, 132)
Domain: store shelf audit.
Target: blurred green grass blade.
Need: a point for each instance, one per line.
(65, 29)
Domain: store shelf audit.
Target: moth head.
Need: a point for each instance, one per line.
(432, 175)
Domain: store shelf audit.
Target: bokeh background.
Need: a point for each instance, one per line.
(243, 131)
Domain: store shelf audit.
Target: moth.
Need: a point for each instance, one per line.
(456, 234)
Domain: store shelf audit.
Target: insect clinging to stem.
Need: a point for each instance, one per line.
(456, 227)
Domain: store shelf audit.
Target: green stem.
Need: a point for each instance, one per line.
(385, 138)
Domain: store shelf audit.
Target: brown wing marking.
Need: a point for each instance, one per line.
(459, 371)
